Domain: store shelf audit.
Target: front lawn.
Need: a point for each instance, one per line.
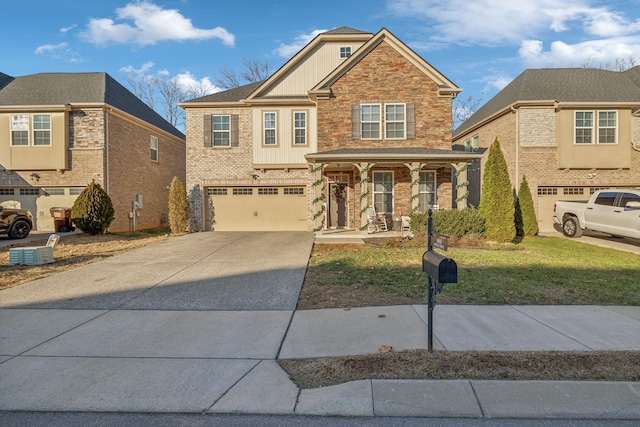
(538, 270)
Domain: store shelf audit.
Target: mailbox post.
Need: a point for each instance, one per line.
(440, 270)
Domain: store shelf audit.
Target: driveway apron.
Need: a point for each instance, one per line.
(191, 316)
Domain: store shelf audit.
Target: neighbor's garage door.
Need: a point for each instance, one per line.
(547, 196)
(256, 209)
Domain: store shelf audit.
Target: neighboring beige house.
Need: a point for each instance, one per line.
(354, 120)
(60, 131)
(569, 131)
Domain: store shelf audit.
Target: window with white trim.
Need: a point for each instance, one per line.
(269, 126)
(299, 128)
(221, 130)
(604, 130)
(607, 127)
(345, 52)
(394, 121)
(153, 145)
(427, 191)
(383, 192)
(42, 129)
(370, 121)
(19, 130)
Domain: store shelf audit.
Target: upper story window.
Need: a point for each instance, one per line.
(153, 144)
(19, 129)
(299, 127)
(269, 128)
(394, 121)
(221, 130)
(41, 129)
(607, 127)
(345, 52)
(399, 121)
(602, 131)
(370, 121)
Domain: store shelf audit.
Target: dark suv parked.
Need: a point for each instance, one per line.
(17, 223)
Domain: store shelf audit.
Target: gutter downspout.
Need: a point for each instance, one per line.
(106, 149)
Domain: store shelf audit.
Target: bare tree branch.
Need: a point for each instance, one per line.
(255, 70)
(463, 108)
(228, 79)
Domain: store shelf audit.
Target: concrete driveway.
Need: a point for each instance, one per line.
(177, 325)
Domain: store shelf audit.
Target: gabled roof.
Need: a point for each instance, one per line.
(445, 85)
(561, 85)
(59, 89)
(5, 80)
(232, 95)
(342, 34)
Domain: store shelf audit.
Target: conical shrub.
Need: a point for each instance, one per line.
(497, 201)
(92, 212)
(178, 207)
(526, 221)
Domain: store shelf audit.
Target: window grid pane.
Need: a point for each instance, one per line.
(584, 127)
(20, 129)
(270, 128)
(221, 130)
(42, 129)
(426, 191)
(607, 123)
(300, 128)
(383, 192)
(370, 121)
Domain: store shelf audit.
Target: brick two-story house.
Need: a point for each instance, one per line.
(569, 131)
(60, 131)
(353, 120)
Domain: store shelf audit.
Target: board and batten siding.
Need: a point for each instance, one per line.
(314, 67)
(284, 152)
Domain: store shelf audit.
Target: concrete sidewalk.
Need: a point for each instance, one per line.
(196, 324)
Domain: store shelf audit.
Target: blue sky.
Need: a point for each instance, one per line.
(481, 45)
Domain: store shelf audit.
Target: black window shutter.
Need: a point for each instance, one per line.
(235, 137)
(355, 122)
(411, 121)
(207, 131)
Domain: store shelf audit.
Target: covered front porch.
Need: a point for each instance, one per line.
(352, 183)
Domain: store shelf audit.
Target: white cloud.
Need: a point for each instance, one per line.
(64, 30)
(496, 22)
(188, 83)
(288, 50)
(150, 24)
(58, 51)
(130, 69)
(596, 53)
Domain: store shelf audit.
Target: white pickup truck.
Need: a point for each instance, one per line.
(613, 211)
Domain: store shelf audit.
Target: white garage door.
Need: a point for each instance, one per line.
(256, 209)
(547, 196)
(38, 201)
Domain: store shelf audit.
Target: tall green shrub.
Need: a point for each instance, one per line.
(497, 202)
(92, 212)
(178, 207)
(525, 214)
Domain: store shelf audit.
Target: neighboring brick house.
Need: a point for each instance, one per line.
(60, 131)
(354, 120)
(568, 131)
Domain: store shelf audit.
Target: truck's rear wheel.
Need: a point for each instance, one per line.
(571, 227)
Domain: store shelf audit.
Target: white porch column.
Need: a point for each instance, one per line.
(319, 198)
(414, 169)
(363, 169)
(462, 184)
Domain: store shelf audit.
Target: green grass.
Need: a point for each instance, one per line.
(538, 270)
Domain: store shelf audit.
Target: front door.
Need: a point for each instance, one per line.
(337, 205)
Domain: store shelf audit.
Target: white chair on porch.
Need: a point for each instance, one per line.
(375, 222)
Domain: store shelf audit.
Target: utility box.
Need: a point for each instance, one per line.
(440, 268)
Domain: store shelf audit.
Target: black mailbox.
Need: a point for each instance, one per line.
(440, 268)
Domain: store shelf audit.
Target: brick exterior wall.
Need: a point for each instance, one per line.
(385, 76)
(539, 163)
(228, 166)
(131, 171)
